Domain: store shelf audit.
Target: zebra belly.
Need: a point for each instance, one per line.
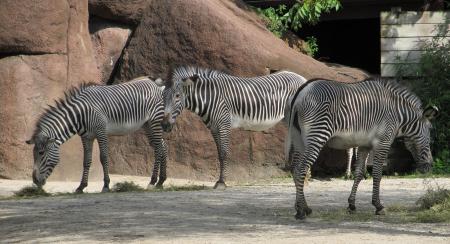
(253, 125)
(118, 129)
(350, 140)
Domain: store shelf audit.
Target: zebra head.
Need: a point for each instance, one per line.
(46, 156)
(174, 99)
(418, 140)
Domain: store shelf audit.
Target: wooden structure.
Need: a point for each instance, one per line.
(403, 35)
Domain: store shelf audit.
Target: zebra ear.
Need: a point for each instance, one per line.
(50, 140)
(30, 142)
(159, 82)
(431, 112)
(191, 80)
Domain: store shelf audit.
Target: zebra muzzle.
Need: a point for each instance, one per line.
(166, 124)
(36, 180)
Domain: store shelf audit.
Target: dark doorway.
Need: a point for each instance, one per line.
(354, 42)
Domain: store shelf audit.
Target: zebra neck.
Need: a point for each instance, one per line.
(58, 130)
(195, 102)
(407, 124)
(60, 123)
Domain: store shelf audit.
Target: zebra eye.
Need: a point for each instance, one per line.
(41, 153)
(177, 96)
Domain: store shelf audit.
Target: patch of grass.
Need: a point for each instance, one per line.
(398, 208)
(394, 214)
(127, 186)
(434, 216)
(416, 175)
(31, 191)
(434, 206)
(434, 196)
(180, 188)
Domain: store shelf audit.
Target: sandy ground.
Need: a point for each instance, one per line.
(254, 213)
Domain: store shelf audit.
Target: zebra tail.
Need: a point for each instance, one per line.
(292, 134)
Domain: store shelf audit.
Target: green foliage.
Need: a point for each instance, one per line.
(303, 12)
(275, 19)
(312, 48)
(31, 191)
(433, 88)
(126, 186)
(309, 11)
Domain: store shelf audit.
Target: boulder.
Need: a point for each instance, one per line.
(222, 35)
(193, 154)
(29, 82)
(213, 34)
(124, 11)
(82, 66)
(28, 27)
(108, 41)
(27, 85)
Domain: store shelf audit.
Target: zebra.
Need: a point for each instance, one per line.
(94, 112)
(224, 102)
(368, 115)
(350, 153)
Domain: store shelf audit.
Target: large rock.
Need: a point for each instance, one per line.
(29, 82)
(211, 34)
(27, 85)
(108, 40)
(125, 11)
(28, 27)
(82, 66)
(219, 35)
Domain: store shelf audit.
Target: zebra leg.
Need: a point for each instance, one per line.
(154, 134)
(359, 174)
(380, 156)
(222, 137)
(348, 173)
(87, 160)
(366, 174)
(302, 163)
(162, 165)
(103, 146)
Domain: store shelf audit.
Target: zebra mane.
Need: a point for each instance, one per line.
(401, 91)
(74, 91)
(182, 72)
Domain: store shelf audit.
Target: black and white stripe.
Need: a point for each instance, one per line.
(225, 102)
(94, 112)
(367, 115)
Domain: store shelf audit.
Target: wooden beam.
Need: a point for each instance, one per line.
(411, 17)
(414, 30)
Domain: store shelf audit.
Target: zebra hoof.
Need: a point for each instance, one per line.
(380, 212)
(79, 191)
(220, 186)
(351, 208)
(152, 181)
(300, 215)
(105, 189)
(308, 211)
(159, 186)
(151, 186)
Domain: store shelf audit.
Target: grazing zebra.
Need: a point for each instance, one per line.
(94, 112)
(225, 102)
(367, 115)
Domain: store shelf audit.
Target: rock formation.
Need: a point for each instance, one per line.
(47, 46)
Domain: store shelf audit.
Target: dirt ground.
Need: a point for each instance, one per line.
(258, 212)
